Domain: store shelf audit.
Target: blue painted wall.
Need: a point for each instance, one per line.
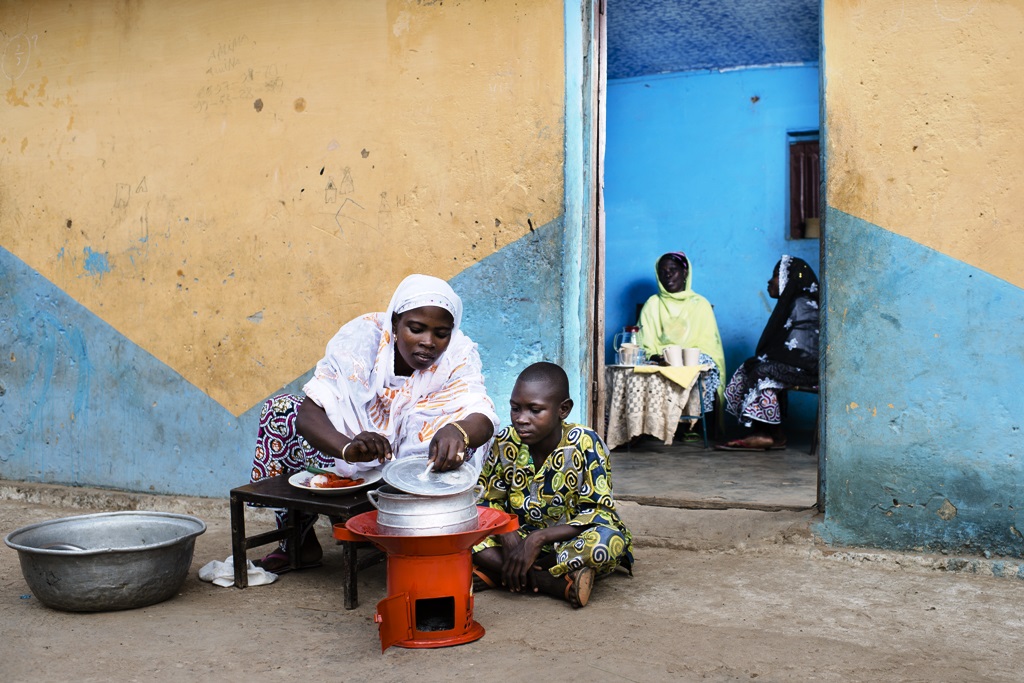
(697, 162)
(81, 404)
(925, 365)
(514, 326)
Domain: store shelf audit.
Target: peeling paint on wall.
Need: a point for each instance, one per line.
(923, 119)
(318, 202)
(194, 252)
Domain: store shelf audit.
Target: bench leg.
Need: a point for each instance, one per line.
(238, 542)
(349, 568)
(294, 538)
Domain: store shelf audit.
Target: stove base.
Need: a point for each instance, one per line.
(475, 632)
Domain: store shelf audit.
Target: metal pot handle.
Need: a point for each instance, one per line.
(371, 495)
(478, 491)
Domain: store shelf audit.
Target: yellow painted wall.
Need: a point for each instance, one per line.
(923, 107)
(225, 182)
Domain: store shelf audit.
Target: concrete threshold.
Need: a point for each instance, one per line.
(701, 528)
(710, 504)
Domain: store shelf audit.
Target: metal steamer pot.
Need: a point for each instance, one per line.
(408, 514)
(415, 502)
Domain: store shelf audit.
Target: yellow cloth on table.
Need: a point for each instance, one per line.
(683, 375)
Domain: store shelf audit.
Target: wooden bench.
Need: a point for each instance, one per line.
(276, 492)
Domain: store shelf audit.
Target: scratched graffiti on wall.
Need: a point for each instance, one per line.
(229, 80)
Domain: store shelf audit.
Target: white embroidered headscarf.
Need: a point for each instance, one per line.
(355, 382)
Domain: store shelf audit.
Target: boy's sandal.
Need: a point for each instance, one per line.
(481, 581)
(580, 583)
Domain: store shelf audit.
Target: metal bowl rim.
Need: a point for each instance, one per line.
(103, 551)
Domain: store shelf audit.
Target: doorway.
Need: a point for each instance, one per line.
(698, 114)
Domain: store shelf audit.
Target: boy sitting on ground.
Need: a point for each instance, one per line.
(556, 478)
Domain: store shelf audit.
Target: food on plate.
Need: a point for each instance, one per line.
(329, 480)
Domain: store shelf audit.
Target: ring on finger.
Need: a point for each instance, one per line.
(460, 455)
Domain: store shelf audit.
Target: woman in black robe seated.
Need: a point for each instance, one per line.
(786, 356)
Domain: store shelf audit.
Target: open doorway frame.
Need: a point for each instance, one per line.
(597, 94)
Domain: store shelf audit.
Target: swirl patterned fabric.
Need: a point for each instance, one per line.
(279, 447)
(573, 486)
(281, 450)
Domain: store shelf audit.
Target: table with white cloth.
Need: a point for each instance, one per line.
(649, 399)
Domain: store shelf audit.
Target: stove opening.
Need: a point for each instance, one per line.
(435, 614)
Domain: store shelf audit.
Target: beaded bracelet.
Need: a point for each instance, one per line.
(465, 436)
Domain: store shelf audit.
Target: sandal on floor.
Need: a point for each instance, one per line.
(481, 581)
(740, 445)
(580, 583)
(277, 562)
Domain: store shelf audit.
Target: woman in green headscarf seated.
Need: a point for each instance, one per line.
(679, 316)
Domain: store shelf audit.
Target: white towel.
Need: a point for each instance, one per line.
(223, 573)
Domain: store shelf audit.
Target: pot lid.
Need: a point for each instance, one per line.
(410, 475)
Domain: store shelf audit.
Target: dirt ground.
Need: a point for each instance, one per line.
(717, 595)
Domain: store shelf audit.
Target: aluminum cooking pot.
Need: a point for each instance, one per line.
(407, 514)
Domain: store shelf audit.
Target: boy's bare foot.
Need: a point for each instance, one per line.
(754, 442)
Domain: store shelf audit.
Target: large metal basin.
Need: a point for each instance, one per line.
(106, 561)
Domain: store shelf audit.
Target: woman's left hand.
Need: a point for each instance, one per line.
(447, 449)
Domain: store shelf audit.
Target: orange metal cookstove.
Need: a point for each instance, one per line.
(430, 581)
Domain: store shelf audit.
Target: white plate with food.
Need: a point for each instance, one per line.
(314, 483)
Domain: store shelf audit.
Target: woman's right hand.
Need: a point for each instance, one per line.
(367, 446)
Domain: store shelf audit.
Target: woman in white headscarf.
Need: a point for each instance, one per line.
(406, 382)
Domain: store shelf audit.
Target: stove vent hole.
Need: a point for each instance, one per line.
(435, 614)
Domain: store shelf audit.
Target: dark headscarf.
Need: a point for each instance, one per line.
(791, 333)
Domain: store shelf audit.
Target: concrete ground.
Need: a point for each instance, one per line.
(687, 475)
(719, 595)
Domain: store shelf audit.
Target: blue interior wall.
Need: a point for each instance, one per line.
(923, 397)
(698, 162)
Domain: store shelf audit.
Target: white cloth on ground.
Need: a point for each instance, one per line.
(223, 573)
